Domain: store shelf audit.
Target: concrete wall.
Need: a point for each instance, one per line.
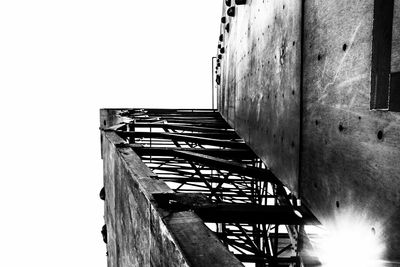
(260, 96)
(395, 57)
(349, 155)
(136, 234)
(139, 232)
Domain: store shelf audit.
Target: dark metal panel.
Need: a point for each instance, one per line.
(394, 101)
(253, 214)
(381, 53)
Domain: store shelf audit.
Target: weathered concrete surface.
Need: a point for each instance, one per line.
(139, 232)
(127, 212)
(260, 92)
(349, 154)
(395, 58)
(200, 245)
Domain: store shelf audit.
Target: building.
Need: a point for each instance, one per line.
(307, 132)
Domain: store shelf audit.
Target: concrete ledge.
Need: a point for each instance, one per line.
(200, 246)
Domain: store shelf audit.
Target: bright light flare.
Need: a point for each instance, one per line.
(349, 241)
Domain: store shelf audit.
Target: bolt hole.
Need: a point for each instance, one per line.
(319, 57)
(341, 128)
(380, 135)
(337, 204)
(104, 123)
(344, 47)
(316, 122)
(373, 230)
(294, 43)
(292, 92)
(359, 117)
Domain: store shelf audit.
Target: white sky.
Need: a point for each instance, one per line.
(60, 62)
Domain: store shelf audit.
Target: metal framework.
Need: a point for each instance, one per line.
(214, 173)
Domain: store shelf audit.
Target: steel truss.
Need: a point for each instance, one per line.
(214, 173)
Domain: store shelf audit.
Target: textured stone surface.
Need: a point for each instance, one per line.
(140, 233)
(127, 212)
(348, 154)
(260, 92)
(346, 163)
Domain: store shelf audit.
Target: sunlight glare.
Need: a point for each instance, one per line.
(349, 241)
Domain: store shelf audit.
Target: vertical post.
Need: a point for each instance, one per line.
(212, 81)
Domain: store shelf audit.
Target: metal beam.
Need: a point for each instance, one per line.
(197, 152)
(283, 261)
(176, 126)
(183, 137)
(250, 213)
(235, 167)
(170, 151)
(232, 212)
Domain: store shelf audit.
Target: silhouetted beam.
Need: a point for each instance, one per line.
(220, 126)
(186, 114)
(249, 213)
(215, 135)
(196, 121)
(181, 116)
(182, 110)
(185, 179)
(235, 167)
(147, 119)
(180, 127)
(255, 258)
(188, 118)
(229, 212)
(212, 125)
(185, 138)
(237, 233)
(170, 151)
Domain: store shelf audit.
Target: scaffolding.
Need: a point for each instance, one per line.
(214, 173)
